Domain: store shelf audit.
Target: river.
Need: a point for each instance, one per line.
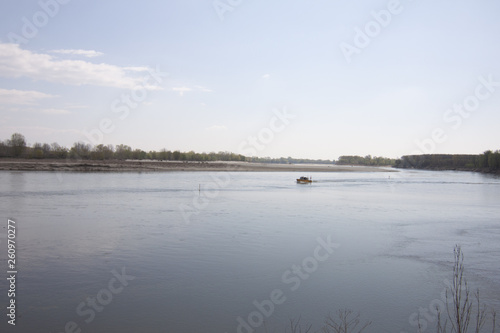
(243, 252)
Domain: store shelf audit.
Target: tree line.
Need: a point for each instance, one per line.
(16, 147)
(287, 160)
(487, 161)
(368, 160)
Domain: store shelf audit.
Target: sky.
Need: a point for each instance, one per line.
(307, 79)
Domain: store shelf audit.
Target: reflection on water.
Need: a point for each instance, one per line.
(247, 235)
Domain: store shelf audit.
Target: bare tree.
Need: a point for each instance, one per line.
(296, 327)
(459, 304)
(347, 322)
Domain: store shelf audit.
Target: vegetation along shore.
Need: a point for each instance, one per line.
(488, 162)
(15, 154)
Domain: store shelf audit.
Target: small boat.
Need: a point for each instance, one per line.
(304, 180)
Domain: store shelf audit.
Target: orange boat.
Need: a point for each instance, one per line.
(304, 180)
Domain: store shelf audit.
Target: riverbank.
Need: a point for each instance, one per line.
(152, 165)
(480, 170)
(487, 163)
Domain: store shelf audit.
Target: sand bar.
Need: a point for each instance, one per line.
(149, 165)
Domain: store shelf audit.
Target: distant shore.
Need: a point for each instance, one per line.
(165, 166)
(480, 170)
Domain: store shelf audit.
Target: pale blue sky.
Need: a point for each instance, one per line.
(228, 77)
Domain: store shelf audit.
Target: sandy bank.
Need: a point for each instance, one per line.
(147, 165)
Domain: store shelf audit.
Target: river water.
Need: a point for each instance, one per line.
(242, 252)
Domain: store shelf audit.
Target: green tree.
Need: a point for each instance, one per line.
(37, 151)
(153, 155)
(4, 149)
(139, 154)
(162, 155)
(169, 155)
(484, 159)
(123, 152)
(176, 155)
(17, 144)
(102, 152)
(80, 150)
(57, 151)
(494, 160)
(46, 150)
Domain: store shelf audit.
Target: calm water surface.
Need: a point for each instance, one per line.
(205, 261)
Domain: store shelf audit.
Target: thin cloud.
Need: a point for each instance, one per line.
(266, 76)
(76, 106)
(136, 69)
(216, 128)
(22, 97)
(184, 89)
(181, 90)
(84, 53)
(16, 63)
(53, 111)
(204, 89)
